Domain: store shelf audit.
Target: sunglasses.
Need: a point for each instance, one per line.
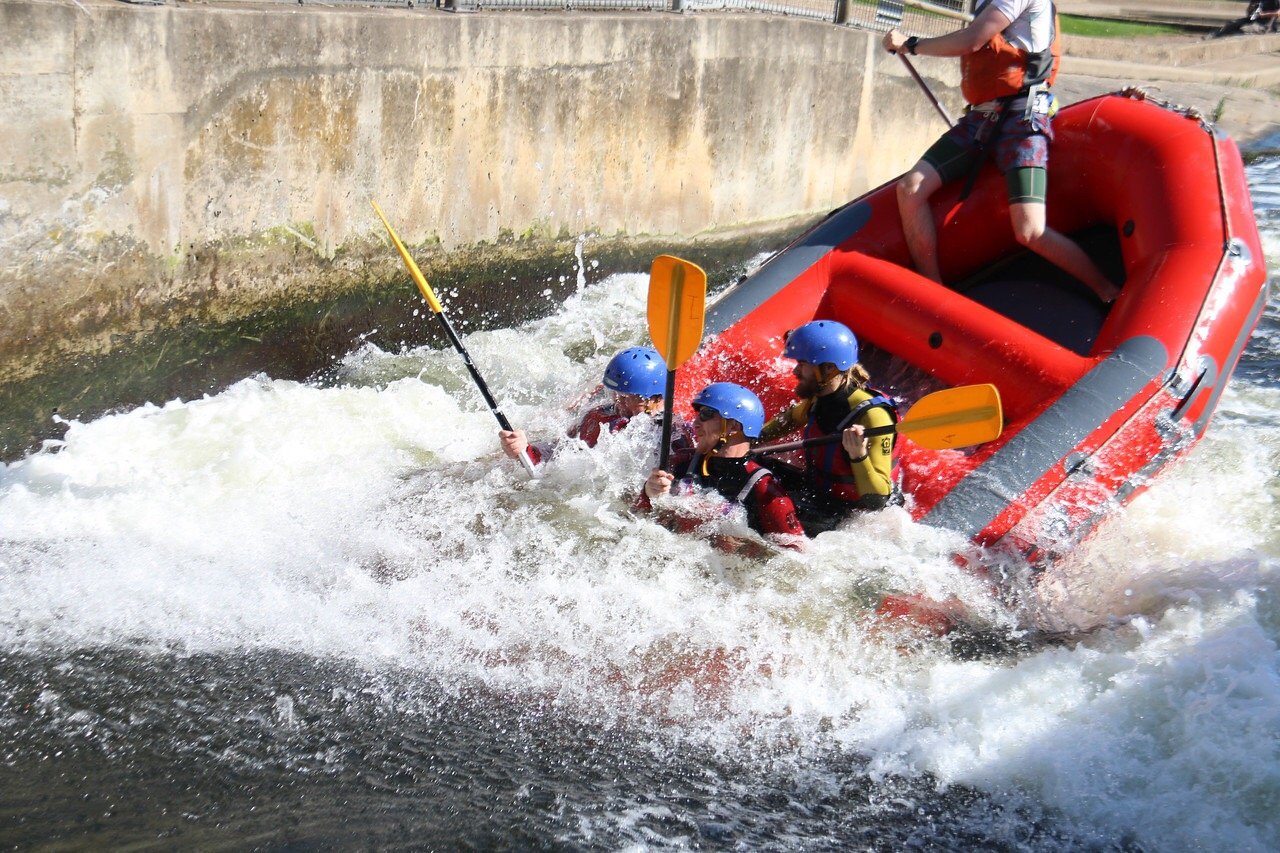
(707, 414)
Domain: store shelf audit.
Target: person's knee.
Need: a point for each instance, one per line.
(914, 188)
(908, 189)
(1028, 235)
(1028, 230)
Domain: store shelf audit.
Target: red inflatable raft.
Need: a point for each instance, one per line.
(1097, 399)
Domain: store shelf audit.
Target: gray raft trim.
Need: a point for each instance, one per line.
(987, 490)
(786, 266)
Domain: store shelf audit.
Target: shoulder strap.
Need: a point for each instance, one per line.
(877, 398)
(750, 484)
(1040, 65)
(685, 470)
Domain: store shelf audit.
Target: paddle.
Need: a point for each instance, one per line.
(430, 296)
(677, 304)
(924, 87)
(952, 417)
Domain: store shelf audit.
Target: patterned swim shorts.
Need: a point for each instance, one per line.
(1023, 144)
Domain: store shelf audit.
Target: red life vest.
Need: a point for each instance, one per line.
(998, 69)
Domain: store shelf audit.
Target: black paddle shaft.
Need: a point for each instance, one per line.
(820, 441)
(475, 374)
(664, 449)
(928, 93)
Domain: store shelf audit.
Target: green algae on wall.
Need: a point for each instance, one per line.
(483, 287)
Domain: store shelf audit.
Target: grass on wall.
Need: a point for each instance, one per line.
(1074, 25)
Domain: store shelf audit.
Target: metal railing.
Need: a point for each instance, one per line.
(914, 17)
(562, 5)
(817, 10)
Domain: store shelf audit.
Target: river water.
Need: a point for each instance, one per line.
(328, 615)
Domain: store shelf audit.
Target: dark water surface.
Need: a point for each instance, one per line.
(113, 749)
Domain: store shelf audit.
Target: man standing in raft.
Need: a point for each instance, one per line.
(1008, 59)
(636, 376)
(834, 397)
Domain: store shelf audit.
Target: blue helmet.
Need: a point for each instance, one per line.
(823, 341)
(735, 403)
(638, 370)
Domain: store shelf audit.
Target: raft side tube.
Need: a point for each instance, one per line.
(1033, 452)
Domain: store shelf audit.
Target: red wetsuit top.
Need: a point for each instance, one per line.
(770, 511)
(593, 424)
(596, 423)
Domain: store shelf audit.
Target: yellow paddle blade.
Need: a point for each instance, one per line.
(677, 305)
(418, 278)
(954, 417)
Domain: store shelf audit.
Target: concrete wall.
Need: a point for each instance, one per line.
(161, 165)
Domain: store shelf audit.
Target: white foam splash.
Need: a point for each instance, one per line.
(376, 520)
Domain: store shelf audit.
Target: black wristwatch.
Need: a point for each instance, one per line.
(911, 43)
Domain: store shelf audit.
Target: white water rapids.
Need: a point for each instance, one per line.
(372, 519)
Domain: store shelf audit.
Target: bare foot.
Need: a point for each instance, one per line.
(1106, 292)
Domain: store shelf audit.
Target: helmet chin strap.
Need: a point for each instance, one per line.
(831, 378)
(720, 442)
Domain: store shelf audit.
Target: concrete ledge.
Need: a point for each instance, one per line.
(1185, 12)
(1247, 75)
(1174, 51)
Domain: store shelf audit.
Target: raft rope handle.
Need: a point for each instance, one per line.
(1222, 197)
(1228, 240)
(1142, 93)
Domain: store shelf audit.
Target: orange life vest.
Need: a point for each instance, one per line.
(998, 69)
